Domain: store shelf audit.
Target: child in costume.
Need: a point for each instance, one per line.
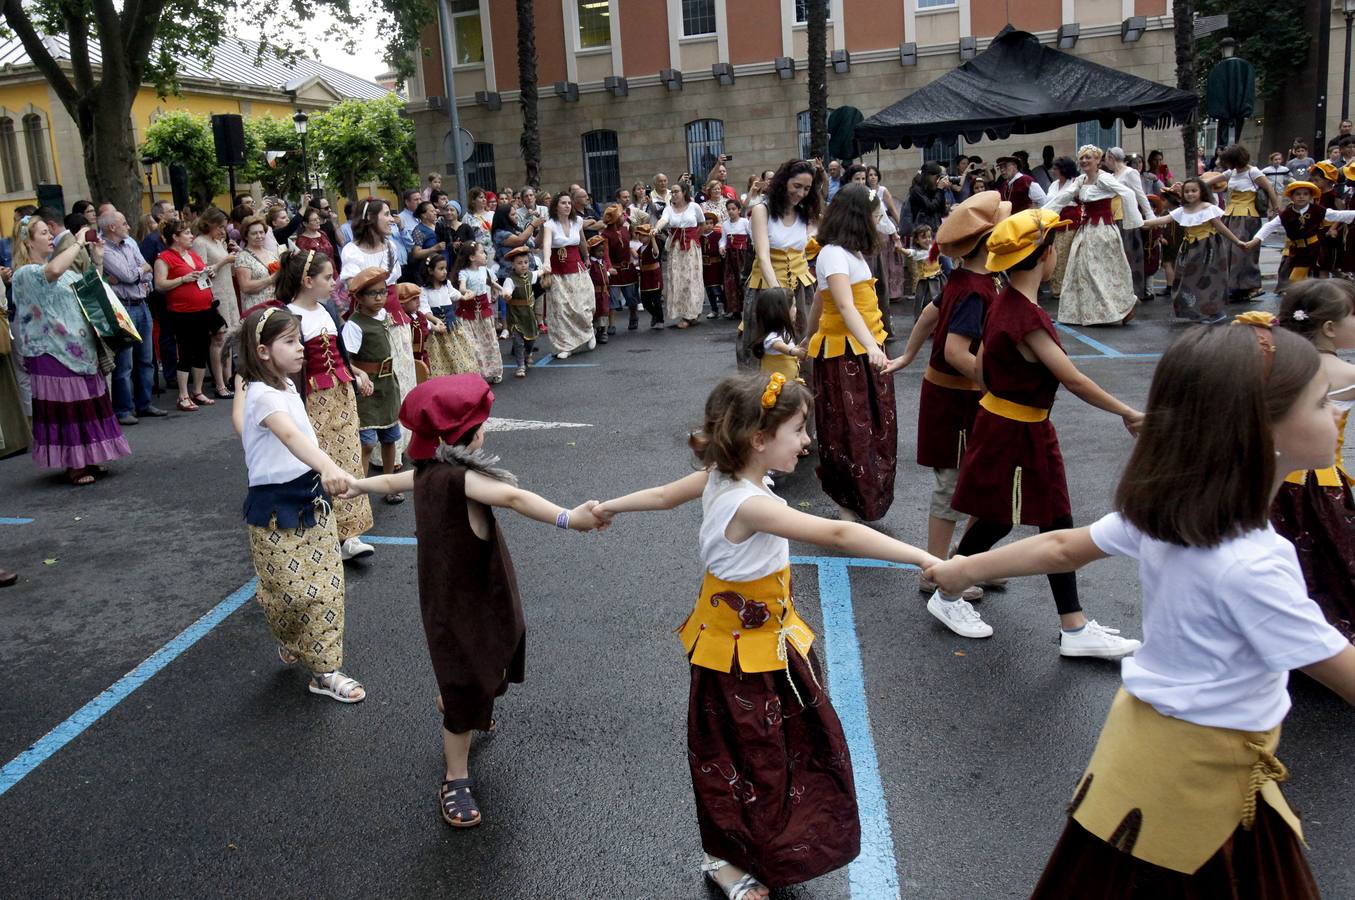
(950, 385)
(759, 722)
(306, 284)
(651, 274)
(928, 279)
(1202, 275)
(472, 614)
(736, 249)
(1314, 509)
(599, 269)
(524, 313)
(1302, 222)
(776, 335)
(1181, 797)
(624, 281)
(449, 349)
(712, 263)
(1012, 471)
(477, 284)
(292, 538)
(366, 336)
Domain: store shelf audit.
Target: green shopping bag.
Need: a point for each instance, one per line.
(104, 312)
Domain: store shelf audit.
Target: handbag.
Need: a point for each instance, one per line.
(104, 311)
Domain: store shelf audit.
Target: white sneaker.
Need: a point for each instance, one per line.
(354, 548)
(959, 617)
(593, 342)
(971, 593)
(503, 335)
(563, 354)
(1097, 640)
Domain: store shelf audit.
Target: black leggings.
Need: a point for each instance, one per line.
(983, 535)
(193, 334)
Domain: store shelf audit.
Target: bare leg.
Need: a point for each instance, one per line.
(214, 360)
(456, 751)
(182, 378)
(939, 535)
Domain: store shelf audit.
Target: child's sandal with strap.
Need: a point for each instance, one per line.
(337, 686)
(740, 889)
(457, 804)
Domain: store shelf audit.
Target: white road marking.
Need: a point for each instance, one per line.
(496, 424)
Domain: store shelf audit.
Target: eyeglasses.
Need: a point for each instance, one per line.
(378, 292)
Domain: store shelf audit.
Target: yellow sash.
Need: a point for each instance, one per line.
(1242, 203)
(946, 380)
(1017, 412)
(1195, 233)
(833, 338)
(791, 268)
(753, 619)
(1190, 785)
(1334, 475)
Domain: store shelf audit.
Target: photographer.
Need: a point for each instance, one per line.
(927, 197)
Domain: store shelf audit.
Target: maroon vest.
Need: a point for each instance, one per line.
(1017, 191)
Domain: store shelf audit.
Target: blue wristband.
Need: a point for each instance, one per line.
(562, 520)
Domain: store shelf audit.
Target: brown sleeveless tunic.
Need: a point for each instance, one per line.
(468, 594)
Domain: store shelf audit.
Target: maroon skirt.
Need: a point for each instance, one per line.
(858, 432)
(945, 419)
(1012, 473)
(1265, 863)
(736, 275)
(1320, 523)
(773, 779)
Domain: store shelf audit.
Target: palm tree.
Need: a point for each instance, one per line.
(531, 122)
(1183, 13)
(817, 27)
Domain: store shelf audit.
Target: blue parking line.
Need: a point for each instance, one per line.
(550, 360)
(13, 520)
(43, 749)
(873, 874)
(1103, 349)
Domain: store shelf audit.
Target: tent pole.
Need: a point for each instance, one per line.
(1143, 142)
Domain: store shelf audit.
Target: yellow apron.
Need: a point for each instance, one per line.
(833, 338)
(1195, 233)
(788, 366)
(791, 268)
(1242, 203)
(1334, 475)
(753, 620)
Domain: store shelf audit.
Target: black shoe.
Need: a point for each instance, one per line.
(151, 412)
(611, 329)
(602, 336)
(634, 321)
(128, 419)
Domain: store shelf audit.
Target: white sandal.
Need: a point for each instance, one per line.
(736, 891)
(338, 686)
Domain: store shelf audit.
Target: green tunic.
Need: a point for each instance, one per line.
(382, 408)
(522, 307)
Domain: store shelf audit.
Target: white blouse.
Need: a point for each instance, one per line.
(1206, 213)
(758, 556)
(732, 227)
(1104, 187)
(353, 259)
(786, 237)
(1244, 180)
(564, 235)
(690, 217)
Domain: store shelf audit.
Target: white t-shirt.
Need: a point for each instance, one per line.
(769, 342)
(267, 458)
(835, 260)
(314, 322)
(758, 556)
(1245, 179)
(437, 297)
(1222, 626)
(353, 259)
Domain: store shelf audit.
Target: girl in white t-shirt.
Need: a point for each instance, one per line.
(292, 534)
(756, 701)
(1183, 786)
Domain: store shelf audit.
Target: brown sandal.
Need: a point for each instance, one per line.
(79, 477)
(186, 404)
(203, 400)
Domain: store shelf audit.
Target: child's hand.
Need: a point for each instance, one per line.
(602, 513)
(1133, 421)
(582, 518)
(336, 482)
(365, 385)
(896, 365)
(437, 325)
(949, 575)
(799, 353)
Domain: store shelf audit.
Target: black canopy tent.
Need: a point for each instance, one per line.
(1019, 86)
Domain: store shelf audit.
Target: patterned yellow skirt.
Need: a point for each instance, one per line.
(301, 589)
(334, 416)
(451, 353)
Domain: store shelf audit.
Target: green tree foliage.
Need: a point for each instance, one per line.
(1270, 35)
(184, 137)
(364, 140)
(285, 179)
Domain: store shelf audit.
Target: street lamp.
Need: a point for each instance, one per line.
(1348, 7)
(300, 120)
(148, 164)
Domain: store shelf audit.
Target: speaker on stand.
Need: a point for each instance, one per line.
(228, 132)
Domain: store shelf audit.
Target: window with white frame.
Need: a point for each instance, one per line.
(601, 165)
(467, 37)
(943, 151)
(698, 17)
(935, 4)
(35, 142)
(480, 169)
(705, 144)
(9, 156)
(595, 23)
(1092, 133)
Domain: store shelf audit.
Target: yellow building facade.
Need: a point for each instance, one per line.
(40, 144)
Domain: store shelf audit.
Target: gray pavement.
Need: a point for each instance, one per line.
(219, 776)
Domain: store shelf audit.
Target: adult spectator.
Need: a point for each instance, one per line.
(1157, 164)
(1017, 187)
(720, 173)
(87, 212)
(1151, 183)
(16, 404)
(311, 236)
(326, 211)
(659, 196)
(346, 229)
(128, 273)
(834, 179)
(508, 236)
(1044, 172)
(183, 278)
(479, 218)
(152, 245)
(256, 267)
(245, 200)
(1131, 234)
(282, 225)
(56, 224)
(926, 197)
(405, 235)
(74, 427)
(425, 235)
(217, 255)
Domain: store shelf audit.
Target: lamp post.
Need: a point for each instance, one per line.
(300, 120)
(1348, 7)
(148, 164)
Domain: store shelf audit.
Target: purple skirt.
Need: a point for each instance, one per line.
(73, 421)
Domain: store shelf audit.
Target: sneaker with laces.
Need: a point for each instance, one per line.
(1097, 640)
(959, 617)
(354, 548)
(971, 593)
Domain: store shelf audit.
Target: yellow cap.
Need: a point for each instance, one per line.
(1017, 236)
(1327, 170)
(1349, 171)
(1301, 186)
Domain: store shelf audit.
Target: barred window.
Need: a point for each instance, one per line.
(9, 156)
(1092, 133)
(480, 169)
(35, 140)
(601, 166)
(705, 144)
(943, 150)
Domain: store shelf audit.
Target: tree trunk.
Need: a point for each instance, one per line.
(112, 163)
(1184, 26)
(817, 28)
(531, 124)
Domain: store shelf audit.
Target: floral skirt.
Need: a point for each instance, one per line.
(1320, 523)
(775, 794)
(73, 421)
(485, 340)
(334, 416)
(301, 589)
(858, 433)
(896, 272)
(570, 304)
(1201, 285)
(684, 288)
(1098, 288)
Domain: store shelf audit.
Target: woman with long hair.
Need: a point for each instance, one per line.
(218, 254)
(1242, 217)
(684, 289)
(779, 221)
(927, 196)
(1064, 170)
(570, 302)
(854, 407)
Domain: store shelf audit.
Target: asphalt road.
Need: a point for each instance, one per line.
(219, 776)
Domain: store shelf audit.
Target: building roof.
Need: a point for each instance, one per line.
(233, 64)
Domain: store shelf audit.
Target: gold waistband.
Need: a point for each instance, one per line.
(791, 268)
(833, 339)
(1242, 203)
(954, 382)
(754, 620)
(1017, 412)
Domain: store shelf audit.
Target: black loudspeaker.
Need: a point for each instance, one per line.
(52, 195)
(178, 184)
(228, 130)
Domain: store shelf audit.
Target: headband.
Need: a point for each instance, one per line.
(1261, 324)
(306, 269)
(258, 329)
(773, 392)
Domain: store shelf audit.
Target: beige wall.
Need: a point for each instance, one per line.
(759, 112)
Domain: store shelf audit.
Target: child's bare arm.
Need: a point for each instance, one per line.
(1337, 672)
(665, 496)
(492, 492)
(763, 514)
(397, 483)
(1064, 550)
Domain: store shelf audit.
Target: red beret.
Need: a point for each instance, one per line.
(442, 410)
